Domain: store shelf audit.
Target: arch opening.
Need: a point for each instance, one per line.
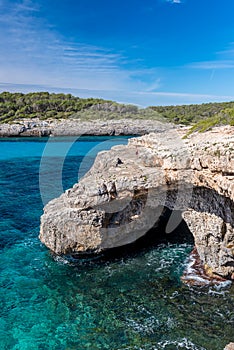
(153, 238)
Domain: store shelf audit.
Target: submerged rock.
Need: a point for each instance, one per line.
(160, 170)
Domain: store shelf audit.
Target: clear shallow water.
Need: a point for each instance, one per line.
(135, 302)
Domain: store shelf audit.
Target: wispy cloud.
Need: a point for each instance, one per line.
(219, 64)
(33, 52)
(35, 56)
(228, 51)
(175, 1)
(224, 60)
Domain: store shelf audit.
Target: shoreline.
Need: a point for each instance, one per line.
(74, 127)
(195, 273)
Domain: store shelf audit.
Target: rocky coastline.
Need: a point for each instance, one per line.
(75, 127)
(191, 176)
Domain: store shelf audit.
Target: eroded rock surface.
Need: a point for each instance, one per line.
(194, 176)
(76, 127)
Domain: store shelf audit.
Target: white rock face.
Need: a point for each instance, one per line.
(194, 175)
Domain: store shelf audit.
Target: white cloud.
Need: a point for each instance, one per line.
(224, 60)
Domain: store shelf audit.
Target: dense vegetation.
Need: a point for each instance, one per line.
(44, 105)
(187, 114)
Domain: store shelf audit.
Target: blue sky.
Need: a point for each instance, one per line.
(154, 52)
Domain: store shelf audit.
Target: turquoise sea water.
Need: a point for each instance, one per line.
(130, 302)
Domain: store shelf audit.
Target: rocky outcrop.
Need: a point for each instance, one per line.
(193, 176)
(25, 128)
(76, 127)
(230, 346)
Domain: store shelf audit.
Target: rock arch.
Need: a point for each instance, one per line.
(194, 176)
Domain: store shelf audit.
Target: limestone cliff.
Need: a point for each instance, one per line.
(124, 193)
(74, 127)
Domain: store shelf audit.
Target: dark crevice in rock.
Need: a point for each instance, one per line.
(229, 263)
(223, 230)
(227, 173)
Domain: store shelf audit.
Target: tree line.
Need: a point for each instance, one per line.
(190, 114)
(45, 105)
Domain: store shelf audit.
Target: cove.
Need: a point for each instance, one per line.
(136, 301)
